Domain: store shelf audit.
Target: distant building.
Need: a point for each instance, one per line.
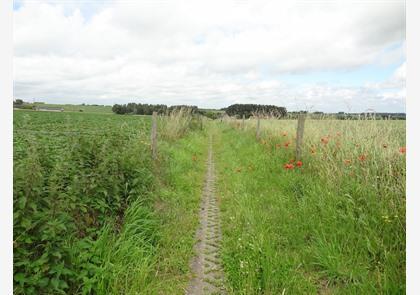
(49, 109)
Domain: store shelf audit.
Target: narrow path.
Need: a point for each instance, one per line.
(207, 265)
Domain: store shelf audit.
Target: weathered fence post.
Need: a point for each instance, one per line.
(153, 136)
(243, 122)
(299, 136)
(258, 128)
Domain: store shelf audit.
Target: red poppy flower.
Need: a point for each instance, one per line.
(324, 140)
(402, 150)
(299, 163)
(362, 157)
(347, 162)
(284, 133)
(286, 145)
(288, 166)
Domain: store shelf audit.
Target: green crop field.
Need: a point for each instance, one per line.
(95, 214)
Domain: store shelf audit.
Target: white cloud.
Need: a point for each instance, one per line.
(204, 53)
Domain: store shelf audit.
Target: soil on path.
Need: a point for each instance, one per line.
(207, 265)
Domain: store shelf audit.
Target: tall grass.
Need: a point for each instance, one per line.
(126, 259)
(336, 225)
(365, 149)
(178, 122)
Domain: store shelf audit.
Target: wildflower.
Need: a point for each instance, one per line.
(286, 145)
(347, 161)
(291, 161)
(402, 150)
(362, 157)
(384, 145)
(284, 133)
(288, 166)
(299, 164)
(278, 145)
(313, 151)
(324, 140)
(338, 133)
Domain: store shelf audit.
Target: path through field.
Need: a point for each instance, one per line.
(206, 265)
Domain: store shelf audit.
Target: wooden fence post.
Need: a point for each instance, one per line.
(243, 122)
(299, 136)
(153, 136)
(258, 128)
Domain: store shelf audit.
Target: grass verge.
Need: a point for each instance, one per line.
(151, 254)
(294, 232)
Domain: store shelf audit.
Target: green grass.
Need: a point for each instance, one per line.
(151, 254)
(177, 207)
(323, 228)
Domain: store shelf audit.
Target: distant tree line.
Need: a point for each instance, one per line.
(138, 108)
(20, 104)
(249, 110)
(148, 109)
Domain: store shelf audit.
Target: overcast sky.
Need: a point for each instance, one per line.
(312, 55)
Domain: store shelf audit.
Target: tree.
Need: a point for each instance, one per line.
(193, 109)
(248, 110)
